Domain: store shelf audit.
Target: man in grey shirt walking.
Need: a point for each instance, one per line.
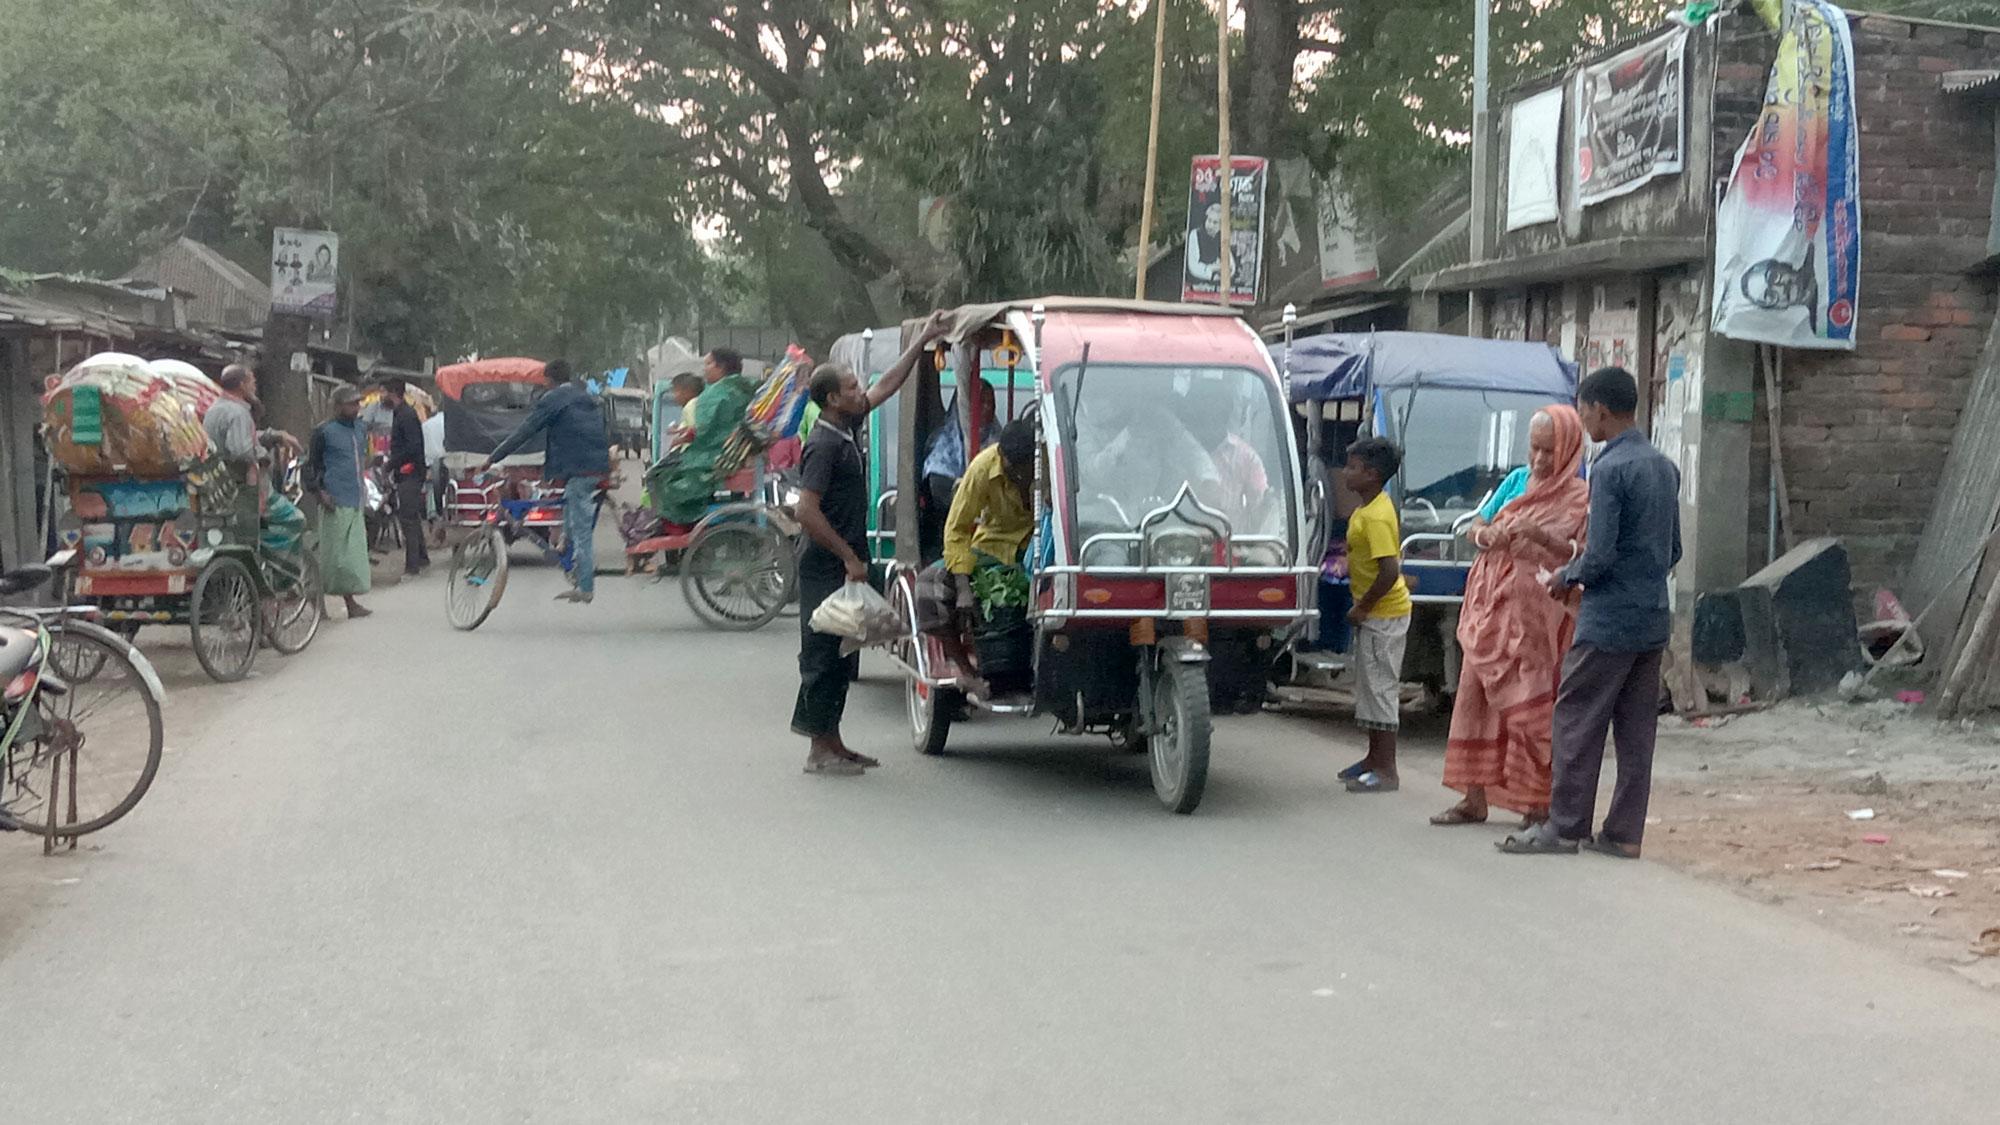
(1611, 678)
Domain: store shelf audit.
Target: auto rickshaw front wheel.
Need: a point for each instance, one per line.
(1178, 746)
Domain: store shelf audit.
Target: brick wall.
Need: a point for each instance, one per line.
(1865, 433)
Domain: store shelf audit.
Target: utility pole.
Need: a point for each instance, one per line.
(1226, 163)
(1152, 149)
(1481, 187)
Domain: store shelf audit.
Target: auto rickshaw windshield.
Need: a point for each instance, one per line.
(1457, 445)
(1138, 433)
(501, 396)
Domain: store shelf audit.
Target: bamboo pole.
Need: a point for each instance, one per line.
(1774, 405)
(1973, 656)
(1225, 165)
(1152, 150)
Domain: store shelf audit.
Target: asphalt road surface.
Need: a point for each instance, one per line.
(567, 869)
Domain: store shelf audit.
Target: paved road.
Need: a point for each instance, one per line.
(421, 876)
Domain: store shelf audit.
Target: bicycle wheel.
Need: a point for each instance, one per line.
(226, 618)
(111, 722)
(293, 614)
(736, 575)
(477, 579)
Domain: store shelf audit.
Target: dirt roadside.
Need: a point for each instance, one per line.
(1763, 803)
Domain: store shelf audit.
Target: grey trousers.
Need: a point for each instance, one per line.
(1605, 692)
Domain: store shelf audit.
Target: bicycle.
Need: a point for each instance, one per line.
(81, 705)
(477, 576)
(738, 565)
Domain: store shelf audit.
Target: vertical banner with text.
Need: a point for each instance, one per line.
(1788, 230)
(1201, 277)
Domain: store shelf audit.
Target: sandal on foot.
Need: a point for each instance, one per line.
(1605, 845)
(834, 767)
(1457, 815)
(1354, 771)
(862, 760)
(1372, 782)
(1537, 841)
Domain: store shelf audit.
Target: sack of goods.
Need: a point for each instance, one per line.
(859, 616)
(117, 414)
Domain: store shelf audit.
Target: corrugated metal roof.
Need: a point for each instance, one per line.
(1969, 81)
(1450, 247)
(220, 292)
(32, 313)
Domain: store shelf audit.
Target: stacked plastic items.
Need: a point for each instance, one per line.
(773, 415)
(116, 415)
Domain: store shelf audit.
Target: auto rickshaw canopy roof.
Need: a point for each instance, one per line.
(969, 320)
(1347, 365)
(453, 380)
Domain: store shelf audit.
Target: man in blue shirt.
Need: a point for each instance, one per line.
(335, 465)
(578, 457)
(1611, 678)
(944, 463)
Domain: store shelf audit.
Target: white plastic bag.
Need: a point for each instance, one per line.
(859, 616)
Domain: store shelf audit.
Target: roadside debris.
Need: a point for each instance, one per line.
(1988, 944)
(1861, 814)
(1930, 890)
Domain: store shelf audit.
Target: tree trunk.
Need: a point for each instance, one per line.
(286, 393)
(1271, 54)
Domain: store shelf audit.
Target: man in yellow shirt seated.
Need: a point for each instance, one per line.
(992, 515)
(992, 512)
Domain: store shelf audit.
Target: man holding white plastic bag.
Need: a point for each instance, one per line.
(833, 507)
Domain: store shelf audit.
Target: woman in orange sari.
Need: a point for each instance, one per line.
(1514, 635)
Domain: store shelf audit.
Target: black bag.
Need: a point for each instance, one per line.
(1004, 643)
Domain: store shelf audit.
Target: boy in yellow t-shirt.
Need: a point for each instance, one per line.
(1381, 613)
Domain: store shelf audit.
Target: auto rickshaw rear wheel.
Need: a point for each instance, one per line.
(932, 710)
(1178, 746)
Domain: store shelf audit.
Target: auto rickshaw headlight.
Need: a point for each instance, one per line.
(1181, 548)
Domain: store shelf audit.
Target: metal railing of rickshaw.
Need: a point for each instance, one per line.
(1225, 539)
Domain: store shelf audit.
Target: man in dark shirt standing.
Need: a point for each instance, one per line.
(578, 457)
(1611, 678)
(833, 508)
(408, 470)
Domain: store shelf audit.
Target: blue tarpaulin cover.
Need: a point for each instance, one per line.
(1343, 365)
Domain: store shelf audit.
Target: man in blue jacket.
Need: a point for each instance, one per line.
(578, 457)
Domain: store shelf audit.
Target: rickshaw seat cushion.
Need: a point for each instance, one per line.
(741, 483)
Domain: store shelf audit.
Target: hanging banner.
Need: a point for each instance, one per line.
(1346, 243)
(305, 266)
(1788, 230)
(1630, 119)
(1201, 278)
(1534, 131)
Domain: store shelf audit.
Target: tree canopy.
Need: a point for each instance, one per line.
(562, 175)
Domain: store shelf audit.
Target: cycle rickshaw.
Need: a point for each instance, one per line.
(1168, 568)
(156, 537)
(483, 401)
(738, 564)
